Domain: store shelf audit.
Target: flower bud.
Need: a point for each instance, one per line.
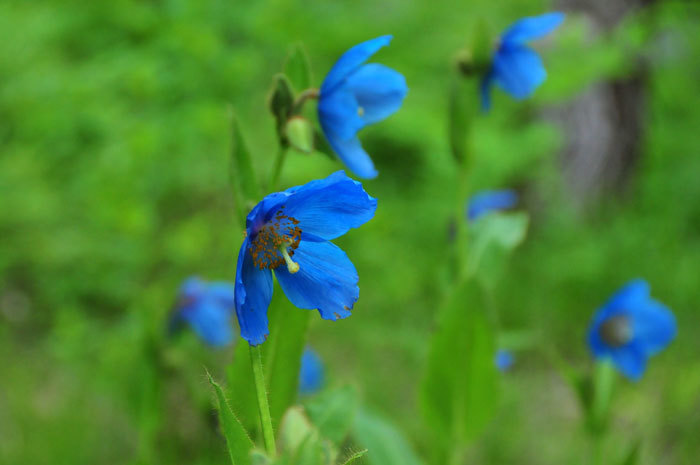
(300, 134)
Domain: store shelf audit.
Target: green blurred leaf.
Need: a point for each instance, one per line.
(604, 376)
(241, 387)
(462, 107)
(385, 444)
(300, 441)
(632, 457)
(282, 353)
(459, 389)
(244, 184)
(281, 104)
(297, 68)
(294, 429)
(237, 440)
(333, 412)
(494, 237)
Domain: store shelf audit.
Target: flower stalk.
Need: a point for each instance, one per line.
(263, 405)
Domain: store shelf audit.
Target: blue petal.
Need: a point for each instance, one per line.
(484, 202)
(253, 292)
(353, 155)
(326, 280)
(653, 326)
(338, 114)
(222, 292)
(632, 295)
(211, 322)
(328, 208)
(485, 90)
(532, 28)
(310, 373)
(264, 210)
(379, 91)
(350, 60)
(504, 360)
(630, 360)
(518, 71)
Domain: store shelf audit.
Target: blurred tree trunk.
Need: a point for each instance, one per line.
(605, 125)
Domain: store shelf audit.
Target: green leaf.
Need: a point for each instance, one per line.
(385, 444)
(282, 353)
(237, 440)
(353, 457)
(461, 110)
(294, 429)
(459, 388)
(604, 377)
(281, 104)
(241, 388)
(333, 412)
(632, 457)
(244, 184)
(297, 68)
(494, 237)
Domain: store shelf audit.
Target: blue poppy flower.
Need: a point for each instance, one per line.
(289, 232)
(311, 372)
(630, 328)
(355, 95)
(484, 202)
(516, 68)
(207, 308)
(504, 360)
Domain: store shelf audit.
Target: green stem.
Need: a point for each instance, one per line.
(277, 169)
(263, 405)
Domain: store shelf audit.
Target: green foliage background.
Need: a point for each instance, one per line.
(114, 143)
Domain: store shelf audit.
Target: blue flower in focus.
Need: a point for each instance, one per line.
(289, 232)
(484, 202)
(630, 328)
(355, 95)
(504, 360)
(311, 372)
(516, 68)
(207, 308)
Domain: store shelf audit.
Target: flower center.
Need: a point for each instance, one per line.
(360, 112)
(274, 244)
(616, 331)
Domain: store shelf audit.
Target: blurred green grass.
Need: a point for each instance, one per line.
(113, 146)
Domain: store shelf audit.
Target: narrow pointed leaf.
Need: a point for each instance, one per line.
(237, 440)
(461, 110)
(357, 455)
(297, 68)
(244, 184)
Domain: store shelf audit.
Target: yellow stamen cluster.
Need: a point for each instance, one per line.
(275, 243)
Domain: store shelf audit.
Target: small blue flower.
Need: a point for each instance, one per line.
(484, 202)
(516, 68)
(504, 360)
(311, 372)
(289, 232)
(355, 95)
(630, 328)
(207, 308)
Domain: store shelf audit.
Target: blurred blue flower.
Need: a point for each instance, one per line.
(630, 328)
(516, 68)
(355, 95)
(207, 308)
(311, 372)
(504, 360)
(484, 202)
(289, 232)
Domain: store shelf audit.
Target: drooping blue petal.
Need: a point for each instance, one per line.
(326, 280)
(311, 372)
(354, 156)
(338, 114)
(351, 60)
(532, 27)
(379, 91)
(518, 70)
(484, 202)
(328, 207)
(264, 210)
(211, 321)
(630, 360)
(653, 326)
(253, 293)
